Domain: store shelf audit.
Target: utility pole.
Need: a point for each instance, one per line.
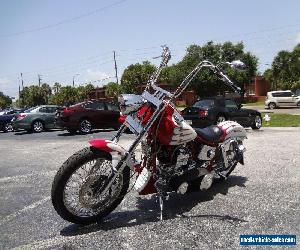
(116, 69)
(40, 79)
(22, 81)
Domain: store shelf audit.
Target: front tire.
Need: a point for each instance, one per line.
(78, 203)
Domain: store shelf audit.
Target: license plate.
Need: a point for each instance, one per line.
(189, 122)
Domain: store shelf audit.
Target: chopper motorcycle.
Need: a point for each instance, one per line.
(174, 156)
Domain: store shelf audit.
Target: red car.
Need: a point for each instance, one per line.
(89, 115)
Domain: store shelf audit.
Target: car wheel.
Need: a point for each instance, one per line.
(37, 126)
(85, 126)
(220, 118)
(257, 122)
(7, 127)
(272, 105)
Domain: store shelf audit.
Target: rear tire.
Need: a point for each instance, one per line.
(220, 118)
(85, 126)
(37, 126)
(272, 105)
(257, 122)
(86, 198)
(7, 127)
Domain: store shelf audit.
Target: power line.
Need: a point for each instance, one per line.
(69, 20)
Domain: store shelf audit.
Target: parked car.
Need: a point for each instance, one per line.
(211, 111)
(276, 99)
(89, 115)
(36, 119)
(6, 117)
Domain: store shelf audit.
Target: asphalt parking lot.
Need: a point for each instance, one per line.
(261, 197)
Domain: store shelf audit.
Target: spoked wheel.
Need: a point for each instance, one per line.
(77, 190)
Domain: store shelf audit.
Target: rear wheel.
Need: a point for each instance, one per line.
(257, 122)
(220, 118)
(7, 127)
(85, 126)
(37, 126)
(272, 105)
(75, 189)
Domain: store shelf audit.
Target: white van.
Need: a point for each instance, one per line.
(284, 98)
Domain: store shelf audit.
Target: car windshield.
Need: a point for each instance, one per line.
(204, 103)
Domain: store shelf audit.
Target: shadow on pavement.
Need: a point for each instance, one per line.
(92, 132)
(24, 132)
(148, 209)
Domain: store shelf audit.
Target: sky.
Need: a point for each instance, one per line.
(65, 39)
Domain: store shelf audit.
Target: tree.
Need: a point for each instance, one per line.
(206, 83)
(32, 96)
(285, 70)
(112, 89)
(67, 95)
(136, 74)
(56, 87)
(4, 100)
(83, 91)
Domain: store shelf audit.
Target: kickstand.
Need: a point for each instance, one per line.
(161, 205)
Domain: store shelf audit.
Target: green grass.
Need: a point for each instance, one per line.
(282, 120)
(260, 103)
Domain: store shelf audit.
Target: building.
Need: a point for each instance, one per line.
(187, 98)
(257, 89)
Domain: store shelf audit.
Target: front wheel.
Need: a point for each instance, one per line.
(75, 189)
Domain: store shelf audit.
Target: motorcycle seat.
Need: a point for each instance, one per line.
(211, 134)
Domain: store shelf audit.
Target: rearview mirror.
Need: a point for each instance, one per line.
(237, 64)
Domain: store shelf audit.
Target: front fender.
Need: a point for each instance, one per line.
(116, 151)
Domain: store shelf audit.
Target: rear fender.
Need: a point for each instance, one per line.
(115, 150)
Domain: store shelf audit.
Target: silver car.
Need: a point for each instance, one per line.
(284, 98)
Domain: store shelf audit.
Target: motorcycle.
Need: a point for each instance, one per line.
(174, 156)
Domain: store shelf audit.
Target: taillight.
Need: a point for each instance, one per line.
(203, 113)
(122, 119)
(21, 116)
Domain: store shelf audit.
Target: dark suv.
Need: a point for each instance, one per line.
(89, 115)
(211, 111)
